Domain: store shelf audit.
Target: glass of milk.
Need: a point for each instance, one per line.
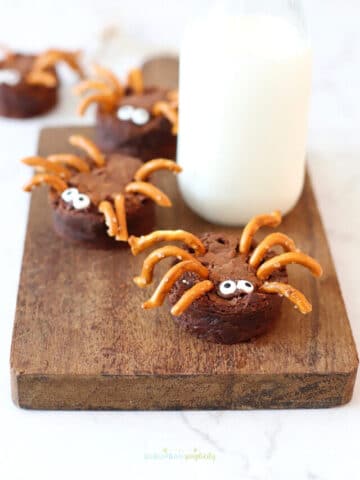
(245, 81)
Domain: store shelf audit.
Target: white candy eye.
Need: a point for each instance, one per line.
(81, 201)
(125, 112)
(140, 116)
(228, 287)
(69, 194)
(11, 77)
(245, 286)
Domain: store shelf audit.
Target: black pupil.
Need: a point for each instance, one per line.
(248, 284)
(81, 198)
(227, 285)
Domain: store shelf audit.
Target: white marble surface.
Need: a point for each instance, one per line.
(313, 445)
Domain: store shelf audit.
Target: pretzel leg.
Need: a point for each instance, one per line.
(71, 160)
(43, 163)
(51, 57)
(107, 210)
(153, 166)
(274, 263)
(150, 191)
(86, 85)
(139, 244)
(136, 81)
(146, 276)
(189, 297)
(122, 233)
(47, 79)
(271, 220)
(110, 78)
(290, 293)
(270, 241)
(106, 100)
(52, 180)
(173, 96)
(169, 112)
(89, 147)
(170, 278)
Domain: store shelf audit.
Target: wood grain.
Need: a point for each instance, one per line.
(162, 71)
(81, 340)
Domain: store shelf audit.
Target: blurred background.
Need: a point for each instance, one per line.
(123, 31)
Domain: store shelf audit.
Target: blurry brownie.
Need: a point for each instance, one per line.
(29, 83)
(132, 118)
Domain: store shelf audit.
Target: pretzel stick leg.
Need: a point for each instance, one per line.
(89, 147)
(270, 220)
(153, 166)
(170, 278)
(51, 57)
(107, 210)
(107, 101)
(110, 78)
(290, 293)
(146, 276)
(270, 241)
(122, 234)
(274, 263)
(189, 297)
(136, 81)
(169, 112)
(86, 85)
(150, 191)
(173, 96)
(43, 163)
(52, 180)
(139, 244)
(47, 79)
(71, 160)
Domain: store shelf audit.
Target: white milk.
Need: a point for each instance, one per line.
(244, 99)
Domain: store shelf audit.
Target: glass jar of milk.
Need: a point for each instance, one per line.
(245, 78)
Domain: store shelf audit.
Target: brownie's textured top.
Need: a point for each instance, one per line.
(102, 183)
(227, 320)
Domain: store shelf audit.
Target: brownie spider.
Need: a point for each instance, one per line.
(222, 289)
(88, 193)
(110, 94)
(131, 117)
(29, 84)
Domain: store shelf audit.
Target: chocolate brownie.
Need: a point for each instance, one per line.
(222, 317)
(87, 225)
(19, 99)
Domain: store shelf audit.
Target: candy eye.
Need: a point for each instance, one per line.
(228, 287)
(140, 116)
(125, 112)
(81, 201)
(11, 77)
(69, 194)
(245, 286)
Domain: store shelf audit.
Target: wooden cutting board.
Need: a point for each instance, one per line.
(81, 340)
